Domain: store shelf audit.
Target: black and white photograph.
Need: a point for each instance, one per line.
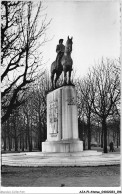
(61, 96)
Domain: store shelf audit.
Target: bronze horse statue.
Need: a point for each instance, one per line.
(65, 64)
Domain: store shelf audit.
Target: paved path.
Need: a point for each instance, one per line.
(38, 159)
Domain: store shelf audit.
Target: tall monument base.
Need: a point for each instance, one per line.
(62, 122)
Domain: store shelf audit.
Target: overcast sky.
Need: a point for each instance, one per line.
(94, 25)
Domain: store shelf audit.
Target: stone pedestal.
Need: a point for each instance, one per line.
(62, 122)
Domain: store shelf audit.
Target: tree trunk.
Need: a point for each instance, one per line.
(39, 140)
(15, 137)
(16, 144)
(117, 138)
(29, 138)
(99, 137)
(20, 141)
(39, 135)
(12, 143)
(108, 136)
(5, 139)
(30, 144)
(45, 132)
(9, 143)
(89, 133)
(104, 127)
(26, 136)
(84, 144)
(9, 137)
(23, 142)
(26, 140)
(16, 141)
(102, 137)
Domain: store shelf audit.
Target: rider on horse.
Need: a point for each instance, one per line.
(60, 48)
(63, 63)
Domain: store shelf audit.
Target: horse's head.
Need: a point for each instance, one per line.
(68, 46)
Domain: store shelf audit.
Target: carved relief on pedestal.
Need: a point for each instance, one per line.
(53, 117)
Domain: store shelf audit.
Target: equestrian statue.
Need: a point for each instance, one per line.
(63, 63)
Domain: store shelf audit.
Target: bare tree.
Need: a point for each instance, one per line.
(20, 39)
(106, 89)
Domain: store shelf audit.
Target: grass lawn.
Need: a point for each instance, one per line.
(101, 176)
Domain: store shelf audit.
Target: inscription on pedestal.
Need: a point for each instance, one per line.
(71, 101)
(53, 117)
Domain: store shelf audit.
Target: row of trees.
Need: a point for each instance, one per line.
(26, 126)
(99, 97)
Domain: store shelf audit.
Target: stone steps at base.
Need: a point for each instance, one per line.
(69, 154)
(63, 164)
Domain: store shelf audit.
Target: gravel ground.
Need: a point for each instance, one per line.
(101, 176)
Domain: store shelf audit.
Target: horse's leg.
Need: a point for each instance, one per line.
(52, 78)
(57, 77)
(65, 77)
(56, 80)
(69, 81)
